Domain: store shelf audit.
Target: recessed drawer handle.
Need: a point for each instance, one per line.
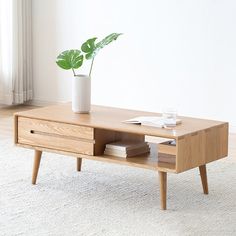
(61, 136)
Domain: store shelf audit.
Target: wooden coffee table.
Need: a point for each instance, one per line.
(58, 129)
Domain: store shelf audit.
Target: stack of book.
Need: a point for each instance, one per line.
(167, 158)
(126, 148)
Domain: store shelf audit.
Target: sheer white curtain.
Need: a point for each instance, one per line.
(15, 51)
(6, 81)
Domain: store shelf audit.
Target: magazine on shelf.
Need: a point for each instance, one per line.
(155, 121)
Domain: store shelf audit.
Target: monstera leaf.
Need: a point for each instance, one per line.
(91, 49)
(107, 40)
(70, 59)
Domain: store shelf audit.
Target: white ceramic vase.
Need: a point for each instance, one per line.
(81, 94)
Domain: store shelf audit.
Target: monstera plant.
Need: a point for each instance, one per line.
(73, 59)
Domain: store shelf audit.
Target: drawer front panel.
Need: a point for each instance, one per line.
(55, 135)
(56, 128)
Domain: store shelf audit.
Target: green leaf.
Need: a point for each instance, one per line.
(107, 40)
(70, 59)
(89, 48)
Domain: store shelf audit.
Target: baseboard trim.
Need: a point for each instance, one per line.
(42, 103)
(232, 129)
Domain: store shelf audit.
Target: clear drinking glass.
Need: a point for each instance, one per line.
(169, 116)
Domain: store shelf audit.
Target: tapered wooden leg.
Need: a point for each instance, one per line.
(79, 163)
(203, 174)
(37, 159)
(163, 188)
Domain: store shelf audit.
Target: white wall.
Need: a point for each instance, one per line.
(174, 53)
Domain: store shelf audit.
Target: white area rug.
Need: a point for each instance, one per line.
(108, 199)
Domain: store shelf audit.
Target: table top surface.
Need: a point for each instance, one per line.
(112, 119)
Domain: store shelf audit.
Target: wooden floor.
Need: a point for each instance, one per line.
(6, 119)
(6, 125)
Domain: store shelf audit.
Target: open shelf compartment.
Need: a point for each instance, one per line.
(148, 160)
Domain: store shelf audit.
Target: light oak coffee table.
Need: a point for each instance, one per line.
(58, 129)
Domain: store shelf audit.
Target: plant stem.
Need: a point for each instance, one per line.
(73, 71)
(91, 67)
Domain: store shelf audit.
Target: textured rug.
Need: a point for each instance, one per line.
(108, 199)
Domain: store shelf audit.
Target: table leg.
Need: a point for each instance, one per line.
(203, 174)
(79, 163)
(163, 188)
(37, 159)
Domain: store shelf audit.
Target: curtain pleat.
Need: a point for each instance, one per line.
(6, 95)
(20, 76)
(22, 45)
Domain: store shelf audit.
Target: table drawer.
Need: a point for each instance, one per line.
(60, 136)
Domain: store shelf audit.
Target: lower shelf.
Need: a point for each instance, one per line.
(147, 161)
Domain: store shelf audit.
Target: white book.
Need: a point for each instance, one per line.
(155, 139)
